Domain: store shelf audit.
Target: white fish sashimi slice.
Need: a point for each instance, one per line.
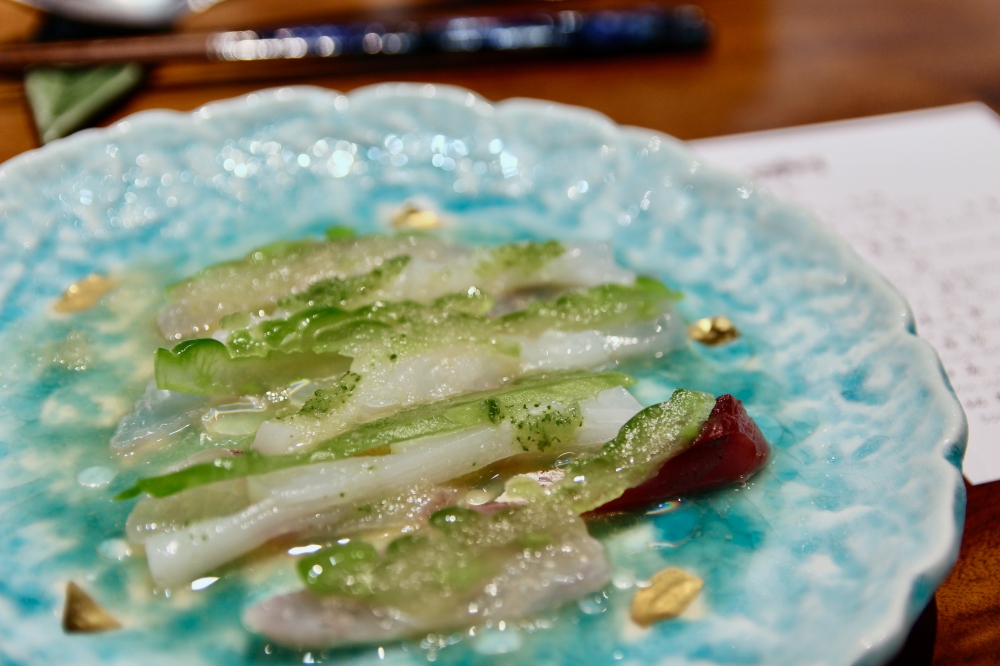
(533, 581)
(302, 620)
(435, 268)
(386, 387)
(579, 266)
(605, 415)
(157, 418)
(173, 513)
(441, 373)
(178, 557)
(530, 582)
(350, 480)
(455, 269)
(281, 500)
(391, 516)
(585, 266)
(196, 305)
(408, 509)
(277, 437)
(560, 350)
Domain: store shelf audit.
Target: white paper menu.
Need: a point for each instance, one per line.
(918, 195)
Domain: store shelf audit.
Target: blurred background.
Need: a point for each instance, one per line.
(769, 63)
(758, 64)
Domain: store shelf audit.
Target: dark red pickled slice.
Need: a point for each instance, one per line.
(729, 449)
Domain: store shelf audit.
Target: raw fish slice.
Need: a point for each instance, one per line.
(556, 350)
(454, 370)
(597, 325)
(386, 387)
(152, 516)
(388, 517)
(393, 513)
(258, 281)
(502, 271)
(281, 500)
(355, 479)
(545, 409)
(286, 277)
(157, 418)
(604, 416)
(529, 582)
(302, 620)
(462, 548)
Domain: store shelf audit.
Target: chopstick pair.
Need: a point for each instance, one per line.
(649, 28)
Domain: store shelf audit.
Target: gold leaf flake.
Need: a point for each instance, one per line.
(84, 294)
(84, 615)
(668, 594)
(411, 217)
(713, 330)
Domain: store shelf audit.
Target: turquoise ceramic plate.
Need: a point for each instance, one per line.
(826, 558)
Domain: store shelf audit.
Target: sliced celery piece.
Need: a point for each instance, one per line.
(204, 366)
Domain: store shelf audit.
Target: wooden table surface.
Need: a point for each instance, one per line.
(773, 63)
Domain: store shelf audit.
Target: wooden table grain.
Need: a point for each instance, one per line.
(773, 63)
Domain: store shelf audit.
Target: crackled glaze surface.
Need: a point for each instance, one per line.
(824, 559)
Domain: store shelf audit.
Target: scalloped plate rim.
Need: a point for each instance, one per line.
(950, 450)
